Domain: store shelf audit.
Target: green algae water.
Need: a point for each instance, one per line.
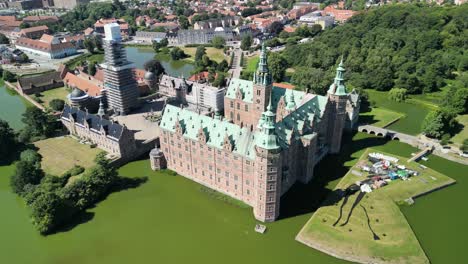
(170, 220)
(12, 106)
(140, 55)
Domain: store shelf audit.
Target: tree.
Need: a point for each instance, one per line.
(277, 65)
(275, 28)
(89, 45)
(201, 50)
(92, 68)
(161, 44)
(8, 76)
(246, 42)
(464, 146)
(223, 66)
(220, 78)
(38, 123)
(25, 173)
(24, 57)
(310, 79)
(155, 67)
(4, 39)
(397, 94)
(218, 42)
(8, 141)
(184, 22)
(433, 124)
(57, 104)
(177, 53)
(31, 156)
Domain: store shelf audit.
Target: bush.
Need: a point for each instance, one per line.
(397, 94)
(57, 104)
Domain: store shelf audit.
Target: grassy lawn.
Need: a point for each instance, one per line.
(212, 53)
(414, 113)
(462, 135)
(251, 63)
(98, 57)
(379, 117)
(62, 153)
(58, 93)
(375, 230)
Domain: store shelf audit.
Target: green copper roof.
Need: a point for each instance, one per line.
(246, 88)
(338, 87)
(215, 130)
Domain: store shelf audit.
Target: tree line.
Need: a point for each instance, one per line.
(416, 47)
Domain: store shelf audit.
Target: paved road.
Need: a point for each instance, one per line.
(236, 67)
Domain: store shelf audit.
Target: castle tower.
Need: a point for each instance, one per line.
(337, 109)
(262, 85)
(267, 169)
(101, 112)
(122, 90)
(181, 92)
(158, 162)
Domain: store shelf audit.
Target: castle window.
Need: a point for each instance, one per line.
(235, 186)
(235, 177)
(238, 106)
(195, 170)
(211, 167)
(238, 117)
(227, 174)
(231, 115)
(186, 148)
(227, 183)
(247, 162)
(258, 92)
(246, 107)
(248, 192)
(203, 173)
(218, 170)
(232, 104)
(178, 145)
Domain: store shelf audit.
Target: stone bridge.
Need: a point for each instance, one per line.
(390, 134)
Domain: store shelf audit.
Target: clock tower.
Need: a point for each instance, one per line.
(262, 86)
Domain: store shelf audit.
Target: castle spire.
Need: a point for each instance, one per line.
(262, 76)
(101, 112)
(338, 87)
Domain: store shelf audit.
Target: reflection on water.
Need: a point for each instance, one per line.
(12, 106)
(139, 56)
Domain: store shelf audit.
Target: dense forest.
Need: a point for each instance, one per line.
(415, 47)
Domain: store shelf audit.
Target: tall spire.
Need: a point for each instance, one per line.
(262, 76)
(338, 87)
(101, 112)
(266, 137)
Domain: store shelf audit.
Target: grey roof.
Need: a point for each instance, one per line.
(95, 122)
(29, 82)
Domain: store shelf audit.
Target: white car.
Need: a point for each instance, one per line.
(464, 154)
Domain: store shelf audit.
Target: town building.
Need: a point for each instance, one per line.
(69, 4)
(149, 36)
(99, 26)
(203, 36)
(47, 46)
(316, 18)
(224, 22)
(39, 83)
(32, 33)
(122, 90)
(109, 136)
(36, 19)
(197, 94)
(269, 139)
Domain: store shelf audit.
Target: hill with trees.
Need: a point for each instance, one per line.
(416, 47)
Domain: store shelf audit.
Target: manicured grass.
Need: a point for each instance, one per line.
(376, 212)
(414, 113)
(170, 220)
(62, 153)
(97, 57)
(58, 93)
(251, 63)
(463, 134)
(379, 117)
(212, 53)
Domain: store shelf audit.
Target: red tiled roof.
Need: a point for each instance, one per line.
(34, 29)
(88, 31)
(41, 45)
(40, 18)
(83, 82)
(7, 18)
(284, 85)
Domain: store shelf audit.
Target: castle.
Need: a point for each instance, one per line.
(269, 139)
